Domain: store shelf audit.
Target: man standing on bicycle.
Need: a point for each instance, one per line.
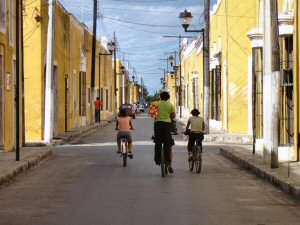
(163, 128)
(197, 130)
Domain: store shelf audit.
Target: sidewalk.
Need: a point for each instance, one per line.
(29, 157)
(219, 137)
(286, 177)
(34, 153)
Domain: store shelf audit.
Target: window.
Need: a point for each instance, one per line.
(82, 93)
(257, 79)
(11, 22)
(107, 101)
(101, 98)
(286, 98)
(215, 93)
(3, 16)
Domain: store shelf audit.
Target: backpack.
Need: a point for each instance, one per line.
(153, 111)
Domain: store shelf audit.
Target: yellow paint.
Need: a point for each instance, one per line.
(72, 57)
(7, 81)
(193, 67)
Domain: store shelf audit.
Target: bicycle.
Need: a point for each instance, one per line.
(196, 160)
(163, 165)
(124, 151)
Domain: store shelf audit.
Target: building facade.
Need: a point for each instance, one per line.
(8, 76)
(72, 103)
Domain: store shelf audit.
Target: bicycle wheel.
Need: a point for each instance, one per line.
(162, 163)
(192, 162)
(124, 153)
(198, 158)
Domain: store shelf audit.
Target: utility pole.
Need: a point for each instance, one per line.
(115, 72)
(93, 75)
(17, 85)
(271, 82)
(48, 126)
(206, 64)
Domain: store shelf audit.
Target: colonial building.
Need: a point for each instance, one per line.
(289, 85)
(229, 54)
(71, 73)
(8, 76)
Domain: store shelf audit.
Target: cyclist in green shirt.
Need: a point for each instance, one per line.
(163, 128)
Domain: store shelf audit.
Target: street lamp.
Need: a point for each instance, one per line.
(172, 60)
(186, 19)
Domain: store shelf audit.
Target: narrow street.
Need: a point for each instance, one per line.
(85, 183)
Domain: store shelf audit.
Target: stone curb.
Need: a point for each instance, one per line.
(283, 184)
(23, 166)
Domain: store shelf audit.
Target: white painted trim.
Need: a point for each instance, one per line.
(216, 7)
(214, 62)
(215, 125)
(285, 153)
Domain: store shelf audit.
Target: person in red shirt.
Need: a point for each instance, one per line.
(98, 106)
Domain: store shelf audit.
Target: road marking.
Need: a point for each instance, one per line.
(106, 144)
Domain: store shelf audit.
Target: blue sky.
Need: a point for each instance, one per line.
(140, 26)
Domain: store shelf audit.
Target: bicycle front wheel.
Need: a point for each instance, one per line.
(198, 159)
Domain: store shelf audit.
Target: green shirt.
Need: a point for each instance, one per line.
(164, 111)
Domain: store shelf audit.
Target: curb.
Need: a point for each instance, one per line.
(81, 133)
(23, 166)
(284, 184)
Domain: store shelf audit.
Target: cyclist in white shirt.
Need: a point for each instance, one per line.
(197, 130)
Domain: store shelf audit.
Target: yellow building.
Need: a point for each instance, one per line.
(289, 76)
(192, 68)
(8, 76)
(134, 94)
(71, 73)
(229, 71)
(170, 83)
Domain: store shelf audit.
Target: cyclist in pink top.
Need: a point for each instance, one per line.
(124, 125)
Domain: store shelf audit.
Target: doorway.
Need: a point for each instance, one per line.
(66, 101)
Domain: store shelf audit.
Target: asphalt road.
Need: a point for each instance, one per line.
(85, 184)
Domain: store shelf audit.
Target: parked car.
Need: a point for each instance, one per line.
(141, 108)
(130, 111)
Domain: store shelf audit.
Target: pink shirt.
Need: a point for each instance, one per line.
(124, 123)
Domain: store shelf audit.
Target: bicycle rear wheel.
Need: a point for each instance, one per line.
(124, 153)
(198, 158)
(162, 163)
(192, 162)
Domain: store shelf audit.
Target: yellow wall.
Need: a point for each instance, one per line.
(8, 53)
(193, 63)
(72, 55)
(170, 87)
(231, 32)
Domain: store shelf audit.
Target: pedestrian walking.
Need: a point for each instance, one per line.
(98, 105)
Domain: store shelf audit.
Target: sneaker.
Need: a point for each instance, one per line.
(130, 156)
(170, 169)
